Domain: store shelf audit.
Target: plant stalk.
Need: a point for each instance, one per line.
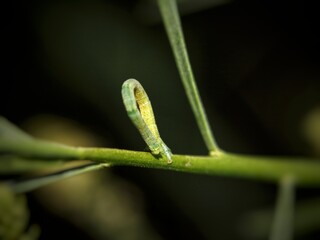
(170, 15)
(306, 172)
(283, 222)
(32, 184)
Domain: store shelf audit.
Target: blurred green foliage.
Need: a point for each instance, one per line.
(14, 217)
(256, 64)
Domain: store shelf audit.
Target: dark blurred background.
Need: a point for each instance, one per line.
(257, 67)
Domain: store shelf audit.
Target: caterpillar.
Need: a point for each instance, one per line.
(139, 110)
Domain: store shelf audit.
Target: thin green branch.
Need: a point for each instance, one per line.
(14, 165)
(270, 169)
(257, 224)
(170, 15)
(282, 226)
(32, 184)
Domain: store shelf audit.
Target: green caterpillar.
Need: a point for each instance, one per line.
(140, 112)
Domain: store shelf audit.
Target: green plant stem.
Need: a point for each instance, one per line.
(282, 226)
(272, 169)
(14, 165)
(32, 184)
(170, 15)
(257, 224)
